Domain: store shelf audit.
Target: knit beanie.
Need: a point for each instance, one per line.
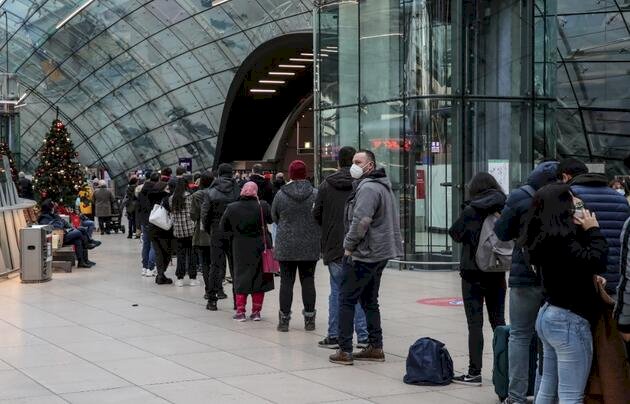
(224, 169)
(297, 170)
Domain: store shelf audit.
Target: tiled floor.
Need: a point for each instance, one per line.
(107, 335)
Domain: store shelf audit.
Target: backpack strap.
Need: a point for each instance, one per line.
(529, 190)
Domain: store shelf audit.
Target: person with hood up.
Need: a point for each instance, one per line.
(221, 193)
(611, 208)
(102, 201)
(328, 212)
(297, 244)
(486, 198)
(265, 190)
(526, 293)
(245, 223)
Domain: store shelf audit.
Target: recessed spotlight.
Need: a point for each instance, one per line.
(292, 66)
(300, 60)
(261, 90)
(281, 74)
(271, 81)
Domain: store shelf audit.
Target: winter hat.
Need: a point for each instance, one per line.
(249, 189)
(297, 170)
(224, 169)
(102, 184)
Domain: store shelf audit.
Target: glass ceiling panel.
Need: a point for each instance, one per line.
(138, 82)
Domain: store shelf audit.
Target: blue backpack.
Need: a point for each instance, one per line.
(429, 363)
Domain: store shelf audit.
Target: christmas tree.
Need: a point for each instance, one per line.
(58, 175)
(5, 151)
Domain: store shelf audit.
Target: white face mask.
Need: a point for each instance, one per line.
(356, 171)
(620, 191)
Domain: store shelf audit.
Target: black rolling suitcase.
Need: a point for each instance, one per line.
(500, 371)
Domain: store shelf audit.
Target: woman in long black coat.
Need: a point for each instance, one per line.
(243, 222)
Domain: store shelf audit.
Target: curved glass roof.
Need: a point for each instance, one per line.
(139, 83)
(593, 113)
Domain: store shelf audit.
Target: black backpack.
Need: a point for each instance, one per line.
(429, 363)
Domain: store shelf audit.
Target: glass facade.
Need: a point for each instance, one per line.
(439, 90)
(139, 82)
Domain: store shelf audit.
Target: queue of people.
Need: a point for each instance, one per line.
(570, 228)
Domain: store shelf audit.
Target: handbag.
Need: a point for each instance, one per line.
(160, 217)
(269, 263)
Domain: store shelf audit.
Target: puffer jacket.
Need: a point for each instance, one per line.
(298, 234)
(467, 228)
(511, 224)
(612, 211)
(372, 220)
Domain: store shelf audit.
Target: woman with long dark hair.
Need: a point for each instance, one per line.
(183, 229)
(486, 198)
(567, 249)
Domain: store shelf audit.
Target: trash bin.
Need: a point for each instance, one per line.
(36, 253)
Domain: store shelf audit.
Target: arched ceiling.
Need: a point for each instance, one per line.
(139, 83)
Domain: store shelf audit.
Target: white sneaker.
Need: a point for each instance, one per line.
(179, 282)
(194, 282)
(152, 273)
(145, 272)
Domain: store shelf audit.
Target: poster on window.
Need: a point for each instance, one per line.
(186, 162)
(500, 170)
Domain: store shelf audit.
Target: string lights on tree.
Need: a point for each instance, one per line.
(5, 151)
(59, 175)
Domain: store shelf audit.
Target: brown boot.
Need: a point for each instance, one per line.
(370, 354)
(341, 358)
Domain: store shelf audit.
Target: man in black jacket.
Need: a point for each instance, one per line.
(265, 190)
(328, 211)
(222, 192)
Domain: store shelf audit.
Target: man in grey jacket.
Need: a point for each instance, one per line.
(372, 238)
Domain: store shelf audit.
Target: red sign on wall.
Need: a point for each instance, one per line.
(420, 185)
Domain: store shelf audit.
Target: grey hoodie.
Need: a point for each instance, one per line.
(298, 234)
(372, 220)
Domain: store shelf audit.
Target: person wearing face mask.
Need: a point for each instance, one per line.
(565, 244)
(620, 188)
(372, 238)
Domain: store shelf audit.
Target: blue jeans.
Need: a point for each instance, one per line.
(148, 252)
(567, 355)
(335, 269)
(525, 303)
(89, 226)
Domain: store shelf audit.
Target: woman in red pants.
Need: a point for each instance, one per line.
(245, 222)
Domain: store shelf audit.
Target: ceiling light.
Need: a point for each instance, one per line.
(292, 66)
(261, 90)
(332, 47)
(271, 81)
(306, 54)
(330, 50)
(281, 74)
(300, 60)
(217, 2)
(72, 14)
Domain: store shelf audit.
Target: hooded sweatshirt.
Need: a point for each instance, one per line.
(221, 193)
(372, 220)
(467, 228)
(298, 234)
(328, 212)
(511, 224)
(611, 210)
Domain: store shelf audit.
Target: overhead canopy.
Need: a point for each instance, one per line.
(139, 83)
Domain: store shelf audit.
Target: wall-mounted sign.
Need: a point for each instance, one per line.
(391, 144)
(186, 162)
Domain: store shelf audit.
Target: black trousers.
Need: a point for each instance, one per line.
(360, 283)
(185, 259)
(220, 251)
(162, 247)
(477, 288)
(288, 271)
(203, 256)
(131, 219)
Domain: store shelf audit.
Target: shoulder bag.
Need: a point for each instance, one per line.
(160, 217)
(269, 263)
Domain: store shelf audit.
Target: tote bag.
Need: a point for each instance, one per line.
(269, 263)
(160, 217)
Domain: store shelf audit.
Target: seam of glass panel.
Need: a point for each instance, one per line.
(154, 67)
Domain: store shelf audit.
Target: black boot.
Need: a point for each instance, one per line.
(283, 321)
(309, 320)
(212, 305)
